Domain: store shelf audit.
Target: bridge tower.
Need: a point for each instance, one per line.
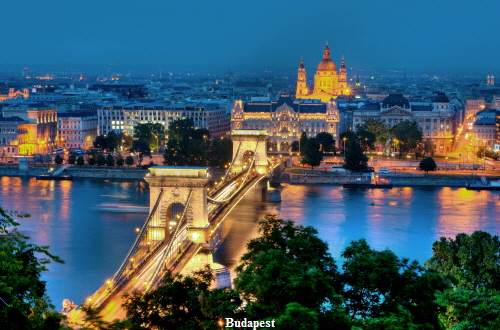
(246, 144)
(180, 186)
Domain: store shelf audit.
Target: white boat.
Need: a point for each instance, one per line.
(122, 208)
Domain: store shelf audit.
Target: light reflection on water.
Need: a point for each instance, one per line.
(93, 244)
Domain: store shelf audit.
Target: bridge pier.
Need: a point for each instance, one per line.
(262, 192)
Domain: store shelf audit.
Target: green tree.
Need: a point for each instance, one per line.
(92, 161)
(312, 156)
(294, 146)
(80, 161)
(473, 262)
(302, 143)
(24, 303)
(143, 132)
(326, 141)
(355, 160)
(72, 159)
(141, 149)
(119, 160)
(380, 289)
(365, 137)
(344, 139)
(58, 160)
(406, 135)
(289, 264)
(100, 142)
(379, 128)
(110, 160)
(125, 140)
(483, 151)
(112, 141)
(219, 152)
(129, 161)
(183, 303)
(100, 160)
(427, 164)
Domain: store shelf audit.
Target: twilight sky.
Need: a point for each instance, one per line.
(269, 34)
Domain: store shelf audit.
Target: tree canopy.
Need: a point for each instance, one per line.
(141, 149)
(24, 303)
(312, 156)
(326, 141)
(427, 164)
(406, 135)
(365, 137)
(355, 159)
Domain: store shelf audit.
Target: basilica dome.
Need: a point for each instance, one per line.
(326, 63)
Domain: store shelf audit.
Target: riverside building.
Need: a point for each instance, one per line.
(286, 119)
(122, 117)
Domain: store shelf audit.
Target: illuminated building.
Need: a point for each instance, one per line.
(484, 133)
(122, 117)
(328, 83)
(38, 133)
(9, 130)
(13, 95)
(286, 119)
(490, 81)
(437, 119)
(77, 130)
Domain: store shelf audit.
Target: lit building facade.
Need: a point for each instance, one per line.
(484, 132)
(14, 94)
(77, 130)
(437, 119)
(38, 134)
(122, 117)
(9, 131)
(286, 119)
(328, 82)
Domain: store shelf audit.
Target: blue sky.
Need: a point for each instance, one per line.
(271, 34)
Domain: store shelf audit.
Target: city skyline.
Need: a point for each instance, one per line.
(428, 35)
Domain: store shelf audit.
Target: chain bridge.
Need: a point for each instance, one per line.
(184, 222)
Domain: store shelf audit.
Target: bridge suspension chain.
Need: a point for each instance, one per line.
(232, 162)
(180, 223)
(250, 167)
(142, 232)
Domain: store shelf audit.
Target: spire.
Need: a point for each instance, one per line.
(343, 62)
(326, 54)
(301, 66)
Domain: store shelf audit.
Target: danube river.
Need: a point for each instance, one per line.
(93, 242)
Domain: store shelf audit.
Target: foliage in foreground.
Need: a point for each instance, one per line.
(24, 303)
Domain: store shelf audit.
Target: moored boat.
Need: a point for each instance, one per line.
(54, 177)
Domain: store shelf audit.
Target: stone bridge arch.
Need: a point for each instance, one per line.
(253, 140)
(177, 183)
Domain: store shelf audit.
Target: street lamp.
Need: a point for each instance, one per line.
(446, 163)
(344, 138)
(157, 146)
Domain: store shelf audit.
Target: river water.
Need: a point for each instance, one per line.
(93, 242)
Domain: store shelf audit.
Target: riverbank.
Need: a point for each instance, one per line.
(306, 177)
(398, 180)
(89, 172)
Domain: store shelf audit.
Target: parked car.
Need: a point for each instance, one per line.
(384, 171)
(368, 170)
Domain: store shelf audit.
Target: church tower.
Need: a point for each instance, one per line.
(301, 80)
(342, 78)
(326, 78)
